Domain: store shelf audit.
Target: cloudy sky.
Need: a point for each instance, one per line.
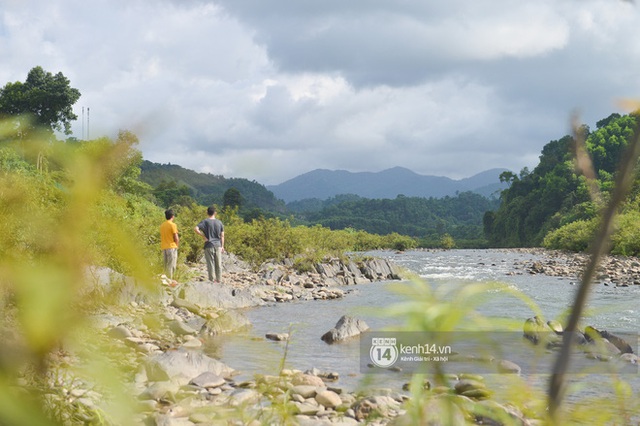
(270, 89)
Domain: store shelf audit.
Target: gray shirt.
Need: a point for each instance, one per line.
(212, 230)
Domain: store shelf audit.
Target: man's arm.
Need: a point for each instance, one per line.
(222, 240)
(199, 232)
(176, 239)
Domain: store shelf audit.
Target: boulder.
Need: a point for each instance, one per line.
(346, 327)
(328, 399)
(226, 322)
(538, 332)
(209, 295)
(183, 366)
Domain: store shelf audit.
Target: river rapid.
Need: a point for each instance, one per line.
(612, 308)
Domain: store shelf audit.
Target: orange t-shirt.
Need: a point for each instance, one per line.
(167, 229)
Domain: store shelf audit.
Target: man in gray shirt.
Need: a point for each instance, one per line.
(212, 230)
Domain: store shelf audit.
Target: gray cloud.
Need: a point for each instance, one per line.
(270, 90)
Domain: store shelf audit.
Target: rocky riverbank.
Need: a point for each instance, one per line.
(618, 271)
(159, 337)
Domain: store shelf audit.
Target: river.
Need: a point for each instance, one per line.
(609, 307)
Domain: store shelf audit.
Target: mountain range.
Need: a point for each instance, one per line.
(323, 184)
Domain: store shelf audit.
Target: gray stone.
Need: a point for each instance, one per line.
(278, 337)
(160, 390)
(119, 332)
(209, 295)
(506, 366)
(345, 328)
(328, 399)
(183, 365)
(305, 391)
(208, 380)
(243, 397)
(181, 329)
(192, 344)
(306, 408)
(227, 322)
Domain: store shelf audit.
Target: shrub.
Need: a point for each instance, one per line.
(575, 236)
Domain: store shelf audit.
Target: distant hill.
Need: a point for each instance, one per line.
(323, 184)
(208, 189)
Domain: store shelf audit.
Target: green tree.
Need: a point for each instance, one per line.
(43, 101)
(232, 198)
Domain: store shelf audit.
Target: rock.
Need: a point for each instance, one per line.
(538, 332)
(243, 397)
(468, 384)
(617, 341)
(209, 295)
(600, 347)
(328, 399)
(630, 358)
(491, 412)
(181, 329)
(376, 406)
(185, 304)
(167, 420)
(183, 365)
(278, 337)
(555, 326)
(192, 344)
(225, 322)
(506, 366)
(305, 391)
(119, 332)
(345, 328)
(208, 380)
(158, 390)
(306, 379)
(306, 408)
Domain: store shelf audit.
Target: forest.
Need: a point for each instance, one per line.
(551, 205)
(427, 220)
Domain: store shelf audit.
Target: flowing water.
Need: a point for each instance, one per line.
(609, 307)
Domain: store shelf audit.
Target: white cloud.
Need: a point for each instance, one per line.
(270, 90)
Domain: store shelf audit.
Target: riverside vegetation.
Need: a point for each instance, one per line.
(70, 207)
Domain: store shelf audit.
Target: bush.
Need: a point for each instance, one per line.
(575, 236)
(626, 241)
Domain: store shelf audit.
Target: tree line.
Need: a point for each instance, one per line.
(551, 205)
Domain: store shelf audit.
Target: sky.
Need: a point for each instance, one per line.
(269, 90)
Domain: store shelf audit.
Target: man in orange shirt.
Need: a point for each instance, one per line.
(169, 241)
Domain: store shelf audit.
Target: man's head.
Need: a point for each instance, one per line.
(168, 214)
(211, 210)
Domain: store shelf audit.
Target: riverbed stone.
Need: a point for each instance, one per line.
(306, 408)
(510, 367)
(225, 322)
(328, 399)
(277, 337)
(307, 379)
(243, 397)
(305, 391)
(346, 327)
(208, 380)
(181, 329)
(184, 365)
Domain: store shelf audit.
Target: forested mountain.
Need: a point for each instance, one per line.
(553, 195)
(423, 218)
(206, 188)
(324, 184)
